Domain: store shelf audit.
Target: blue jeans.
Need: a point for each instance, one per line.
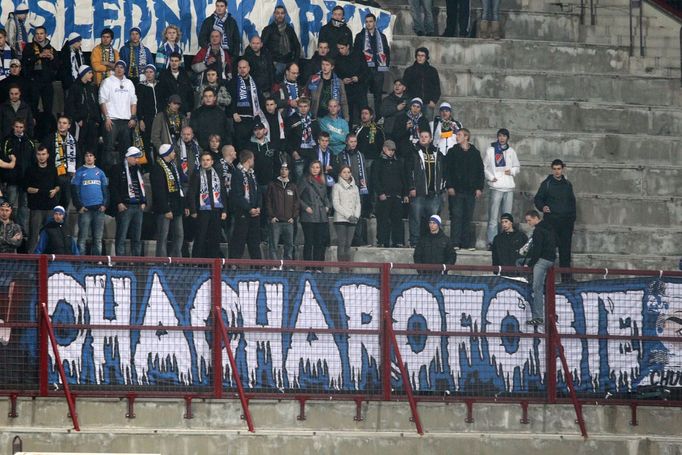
(129, 220)
(422, 22)
(91, 224)
(499, 202)
(421, 208)
(163, 226)
(491, 10)
(286, 232)
(537, 305)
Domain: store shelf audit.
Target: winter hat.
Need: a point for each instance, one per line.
(21, 9)
(4, 202)
(133, 152)
(59, 209)
(15, 61)
(83, 70)
(417, 101)
(389, 144)
(175, 99)
(149, 66)
(445, 106)
(73, 38)
(507, 216)
(504, 131)
(121, 63)
(436, 219)
(165, 150)
(136, 29)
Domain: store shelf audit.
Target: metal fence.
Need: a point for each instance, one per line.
(190, 328)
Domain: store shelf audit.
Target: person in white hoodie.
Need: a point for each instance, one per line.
(500, 165)
(346, 203)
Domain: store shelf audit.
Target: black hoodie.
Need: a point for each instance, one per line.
(558, 196)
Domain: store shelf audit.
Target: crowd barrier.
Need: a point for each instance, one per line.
(196, 328)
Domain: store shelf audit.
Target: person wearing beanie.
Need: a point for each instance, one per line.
(118, 104)
(222, 22)
(168, 203)
(422, 17)
(90, 196)
(389, 184)
(422, 80)
(408, 126)
(71, 59)
(128, 201)
(336, 31)
(445, 129)
(82, 106)
(434, 247)
(41, 63)
(53, 237)
(500, 165)
(507, 244)
(104, 56)
(17, 33)
(136, 55)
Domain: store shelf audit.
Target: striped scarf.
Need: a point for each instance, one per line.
(172, 176)
(138, 59)
(209, 198)
(379, 59)
(65, 154)
(499, 153)
(219, 25)
(21, 35)
(347, 157)
(6, 56)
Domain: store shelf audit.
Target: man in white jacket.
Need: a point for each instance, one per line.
(500, 165)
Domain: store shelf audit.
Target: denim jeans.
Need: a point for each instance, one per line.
(18, 198)
(421, 209)
(286, 232)
(163, 227)
(129, 220)
(499, 202)
(537, 306)
(491, 10)
(422, 22)
(91, 224)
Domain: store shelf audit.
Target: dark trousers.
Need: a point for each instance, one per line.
(461, 214)
(42, 91)
(390, 228)
(88, 135)
(376, 88)
(563, 231)
(356, 101)
(119, 134)
(242, 133)
(457, 23)
(246, 234)
(207, 234)
(64, 195)
(316, 239)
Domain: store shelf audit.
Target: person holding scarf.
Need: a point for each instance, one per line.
(500, 165)
(170, 45)
(280, 39)
(82, 107)
(136, 55)
(168, 203)
(223, 22)
(314, 212)
(301, 131)
(17, 35)
(104, 56)
(445, 129)
(336, 126)
(128, 201)
(325, 86)
(289, 91)
(408, 126)
(65, 157)
(246, 201)
(246, 104)
(373, 45)
(41, 65)
(335, 31)
(213, 56)
(6, 56)
(71, 58)
(168, 124)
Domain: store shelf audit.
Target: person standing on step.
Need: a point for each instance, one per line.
(389, 183)
(222, 22)
(53, 237)
(136, 55)
(465, 177)
(17, 153)
(118, 104)
(490, 27)
(104, 56)
(347, 209)
(422, 17)
(458, 20)
(353, 71)
(408, 127)
(17, 34)
(71, 59)
(445, 129)
(300, 138)
(280, 39)
(501, 165)
(207, 204)
(128, 201)
(262, 67)
(246, 202)
(282, 205)
(42, 188)
(507, 244)
(422, 81)
(168, 202)
(392, 106)
(315, 206)
(434, 247)
(352, 157)
(246, 106)
(41, 64)
(10, 232)
(174, 80)
(325, 86)
(373, 45)
(336, 126)
(90, 195)
(65, 156)
(82, 106)
(556, 199)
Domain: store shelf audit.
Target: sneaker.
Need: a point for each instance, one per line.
(456, 248)
(472, 249)
(535, 322)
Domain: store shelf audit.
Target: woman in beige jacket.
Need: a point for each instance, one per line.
(346, 203)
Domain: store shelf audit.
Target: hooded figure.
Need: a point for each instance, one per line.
(53, 236)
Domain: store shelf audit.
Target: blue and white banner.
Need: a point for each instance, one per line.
(432, 314)
(89, 17)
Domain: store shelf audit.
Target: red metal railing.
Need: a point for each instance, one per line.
(386, 337)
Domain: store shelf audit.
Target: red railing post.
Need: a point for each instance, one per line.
(42, 326)
(550, 341)
(385, 334)
(216, 301)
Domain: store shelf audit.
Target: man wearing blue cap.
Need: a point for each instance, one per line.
(71, 58)
(53, 236)
(168, 203)
(136, 55)
(118, 104)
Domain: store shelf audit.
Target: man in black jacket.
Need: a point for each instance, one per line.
(389, 184)
(15, 107)
(222, 21)
(434, 247)
(40, 62)
(175, 81)
(42, 186)
(301, 133)
(408, 126)
(247, 103)
(245, 199)
(82, 106)
(17, 152)
(53, 236)
(128, 201)
(335, 31)
(422, 81)
(540, 252)
(262, 68)
(506, 244)
(374, 48)
(556, 199)
(353, 71)
(281, 40)
(210, 119)
(168, 202)
(465, 181)
(392, 106)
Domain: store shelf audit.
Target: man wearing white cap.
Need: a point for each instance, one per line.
(118, 104)
(445, 129)
(40, 65)
(71, 58)
(168, 203)
(82, 106)
(16, 77)
(128, 201)
(6, 56)
(17, 35)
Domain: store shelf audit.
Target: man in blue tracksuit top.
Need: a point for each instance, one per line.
(90, 196)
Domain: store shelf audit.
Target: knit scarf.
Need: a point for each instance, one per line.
(76, 62)
(174, 122)
(316, 80)
(447, 128)
(219, 25)
(21, 37)
(381, 59)
(6, 55)
(292, 89)
(184, 165)
(245, 181)
(372, 135)
(138, 59)
(209, 199)
(325, 157)
(357, 156)
(65, 153)
(226, 169)
(131, 187)
(108, 54)
(307, 140)
(243, 95)
(172, 176)
(170, 48)
(414, 131)
(37, 49)
(499, 153)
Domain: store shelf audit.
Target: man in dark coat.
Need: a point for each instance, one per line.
(82, 106)
(507, 244)
(210, 119)
(175, 81)
(53, 237)
(373, 46)
(280, 39)
(434, 247)
(222, 21)
(41, 63)
(336, 31)
(262, 68)
(353, 71)
(422, 81)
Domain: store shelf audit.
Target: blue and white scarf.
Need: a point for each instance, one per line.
(164, 53)
(499, 153)
(243, 95)
(226, 170)
(206, 195)
(414, 131)
(245, 181)
(292, 89)
(219, 25)
(316, 80)
(307, 139)
(362, 178)
(379, 59)
(6, 59)
(325, 157)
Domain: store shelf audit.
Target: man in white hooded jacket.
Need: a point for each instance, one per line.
(500, 166)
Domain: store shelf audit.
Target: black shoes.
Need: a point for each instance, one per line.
(535, 322)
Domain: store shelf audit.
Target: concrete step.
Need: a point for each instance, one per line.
(556, 86)
(490, 113)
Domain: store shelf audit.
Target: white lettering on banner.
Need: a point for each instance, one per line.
(462, 314)
(362, 304)
(89, 17)
(200, 315)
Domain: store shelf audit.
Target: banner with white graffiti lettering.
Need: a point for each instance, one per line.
(150, 327)
(90, 17)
